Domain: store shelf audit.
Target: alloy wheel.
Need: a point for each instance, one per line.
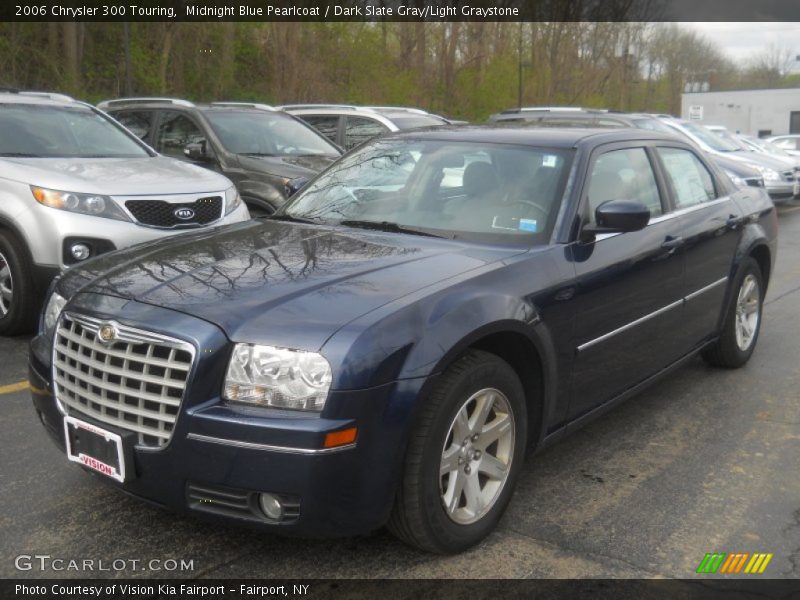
(748, 312)
(476, 456)
(6, 286)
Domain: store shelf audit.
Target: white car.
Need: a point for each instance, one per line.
(75, 184)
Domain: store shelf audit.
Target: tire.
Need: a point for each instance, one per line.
(18, 303)
(419, 516)
(733, 349)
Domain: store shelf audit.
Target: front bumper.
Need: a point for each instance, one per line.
(782, 190)
(236, 449)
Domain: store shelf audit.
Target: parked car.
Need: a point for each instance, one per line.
(350, 126)
(790, 143)
(740, 173)
(759, 145)
(386, 346)
(779, 175)
(74, 185)
(267, 153)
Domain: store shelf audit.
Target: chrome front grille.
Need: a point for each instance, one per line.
(135, 381)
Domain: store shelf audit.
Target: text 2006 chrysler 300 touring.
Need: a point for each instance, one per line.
(384, 349)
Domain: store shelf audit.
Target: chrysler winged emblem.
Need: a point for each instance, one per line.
(107, 333)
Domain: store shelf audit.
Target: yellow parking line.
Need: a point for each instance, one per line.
(14, 387)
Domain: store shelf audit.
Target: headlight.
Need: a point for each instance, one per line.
(52, 311)
(277, 377)
(767, 173)
(85, 204)
(737, 181)
(232, 200)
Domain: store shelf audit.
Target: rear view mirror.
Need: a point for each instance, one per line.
(619, 216)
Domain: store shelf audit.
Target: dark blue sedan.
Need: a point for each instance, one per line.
(385, 348)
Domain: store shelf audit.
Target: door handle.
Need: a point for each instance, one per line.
(672, 242)
(733, 221)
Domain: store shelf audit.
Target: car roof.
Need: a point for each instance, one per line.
(178, 103)
(11, 96)
(567, 137)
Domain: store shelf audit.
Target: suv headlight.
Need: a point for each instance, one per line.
(277, 377)
(52, 311)
(768, 174)
(85, 204)
(737, 181)
(232, 200)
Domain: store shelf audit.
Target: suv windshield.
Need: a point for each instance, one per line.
(267, 133)
(479, 191)
(47, 131)
(710, 138)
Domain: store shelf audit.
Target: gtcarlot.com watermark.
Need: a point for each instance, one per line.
(46, 562)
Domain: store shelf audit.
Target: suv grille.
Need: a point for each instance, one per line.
(159, 213)
(135, 383)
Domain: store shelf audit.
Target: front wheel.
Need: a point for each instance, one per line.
(463, 456)
(18, 304)
(742, 323)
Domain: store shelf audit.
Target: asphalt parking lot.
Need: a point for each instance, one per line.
(706, 461)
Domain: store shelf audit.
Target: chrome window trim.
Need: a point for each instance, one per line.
(198, 437)
(647, 317)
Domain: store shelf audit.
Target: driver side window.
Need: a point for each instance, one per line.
(175, 132)
(623, 175)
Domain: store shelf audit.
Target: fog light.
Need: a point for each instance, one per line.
(271, 505)
(80, 251)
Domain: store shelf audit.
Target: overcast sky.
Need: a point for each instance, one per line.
(740, 41)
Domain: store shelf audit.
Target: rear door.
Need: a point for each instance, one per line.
(712, 227)
(628, 292)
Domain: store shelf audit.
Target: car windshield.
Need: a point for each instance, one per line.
(730, 138)
(412, 121)
(467, 190)
(48, 131)
(267, 133)
(767, 146)
(710, 138)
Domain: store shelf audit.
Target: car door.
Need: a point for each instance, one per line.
(712, 227)
(139, 122)
(628, 291)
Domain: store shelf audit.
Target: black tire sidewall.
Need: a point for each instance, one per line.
(19, 318)
(728, 338)
(491, 373)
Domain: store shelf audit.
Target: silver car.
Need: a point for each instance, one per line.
(74, 184)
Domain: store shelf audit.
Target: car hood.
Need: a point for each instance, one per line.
(776, 163)
(278, 283)
(290, 167)
(114, 176)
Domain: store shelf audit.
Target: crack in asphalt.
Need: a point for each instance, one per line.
(794, 557)
(781, 296)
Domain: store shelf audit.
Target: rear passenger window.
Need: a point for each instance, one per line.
(138, 122)
(327, 125)
(360, 129)
(690, 179)
(175, 132)
(624, 175)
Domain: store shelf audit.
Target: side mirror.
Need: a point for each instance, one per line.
(197, 151)
(295, 185)
(619, 216)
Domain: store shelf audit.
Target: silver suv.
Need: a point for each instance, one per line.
(75, 184)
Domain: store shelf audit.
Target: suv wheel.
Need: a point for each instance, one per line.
(463, 456)
(17, 306)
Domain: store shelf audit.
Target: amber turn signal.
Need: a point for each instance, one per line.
(341, 438)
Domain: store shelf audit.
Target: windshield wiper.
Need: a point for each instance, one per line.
(258, 154)
(20, 154)
(388, 227)
(291, 219)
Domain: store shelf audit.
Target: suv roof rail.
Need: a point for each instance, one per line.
(417, 111)
(301, 106)
(511, 111)
(256, 105)
(48, 95)
(143, 100)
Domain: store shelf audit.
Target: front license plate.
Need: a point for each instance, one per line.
(95, 448)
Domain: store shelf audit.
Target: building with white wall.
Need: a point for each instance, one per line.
(755, 112)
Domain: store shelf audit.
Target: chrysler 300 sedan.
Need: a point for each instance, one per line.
(384, 349)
